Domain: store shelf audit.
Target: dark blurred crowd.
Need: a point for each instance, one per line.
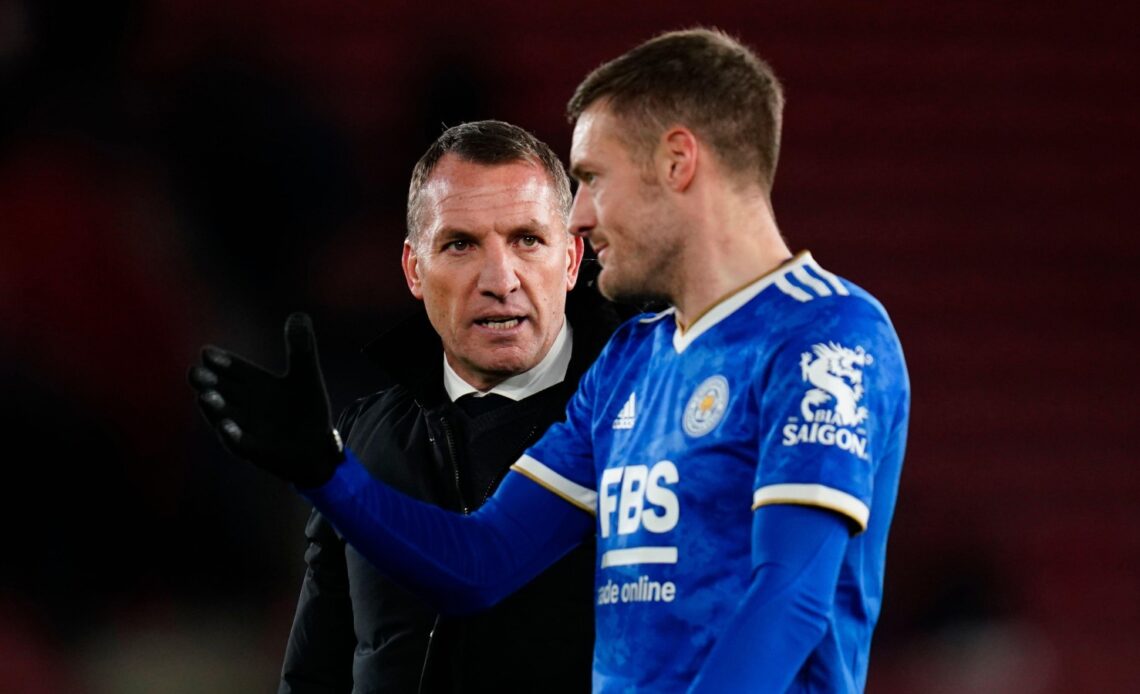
(174, 173)
(153, 198)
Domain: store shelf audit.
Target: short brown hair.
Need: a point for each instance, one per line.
(702, 79)
(491, 143)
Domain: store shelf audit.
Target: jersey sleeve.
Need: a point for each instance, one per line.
(784, 613)
(460, 563)
(826, 398)
(562, 461)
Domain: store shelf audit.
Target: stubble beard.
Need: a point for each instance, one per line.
(631, 292)
(656, 242)
(651, 280)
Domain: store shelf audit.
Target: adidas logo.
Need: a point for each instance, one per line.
(628, 414)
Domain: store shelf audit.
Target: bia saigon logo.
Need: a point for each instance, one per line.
(831, 414)
(706, 406)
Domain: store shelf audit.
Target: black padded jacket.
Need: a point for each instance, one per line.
(357, 631)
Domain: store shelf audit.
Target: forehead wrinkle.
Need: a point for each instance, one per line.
(472, 213)
(471, 197)
(441, 191)
(469, 210)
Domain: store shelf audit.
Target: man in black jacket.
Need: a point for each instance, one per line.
(476, 380)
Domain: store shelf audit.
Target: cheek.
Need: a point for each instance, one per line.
(554, 299)
(601, 206)
(546, 285)
(443, 303)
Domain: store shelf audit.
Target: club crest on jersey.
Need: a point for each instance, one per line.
(706, 406)
(830, 413)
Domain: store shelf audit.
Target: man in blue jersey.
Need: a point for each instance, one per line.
(736, 456)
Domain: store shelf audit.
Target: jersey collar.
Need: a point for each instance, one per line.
(728, 305)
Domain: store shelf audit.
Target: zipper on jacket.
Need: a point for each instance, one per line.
(449, 437)
(498, 479)
(449, 440)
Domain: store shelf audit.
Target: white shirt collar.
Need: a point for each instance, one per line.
(548, 372)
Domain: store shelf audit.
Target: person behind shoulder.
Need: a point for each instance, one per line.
(477, 378)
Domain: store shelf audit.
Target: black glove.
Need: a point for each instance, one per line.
(279, 423)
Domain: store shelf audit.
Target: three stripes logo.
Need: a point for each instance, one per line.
(809, 285)
(628, 414)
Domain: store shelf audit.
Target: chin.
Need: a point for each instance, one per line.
(506, 365)
(607, 284)
(614, 287)
(632, 293)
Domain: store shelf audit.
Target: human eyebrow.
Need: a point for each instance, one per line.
(532, 226)
(448, 236)
(534, 229)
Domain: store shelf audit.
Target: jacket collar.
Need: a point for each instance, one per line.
(411, 355)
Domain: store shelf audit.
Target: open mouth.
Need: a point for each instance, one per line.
(500, 323)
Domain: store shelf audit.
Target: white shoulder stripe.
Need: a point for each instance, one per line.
(796, 267)
(831, 279)
(818, 286)
(582, 497)
(791, 290)
(813, 495)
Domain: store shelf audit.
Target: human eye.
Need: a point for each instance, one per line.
(583, 176)
(529, 239)
(457, 245)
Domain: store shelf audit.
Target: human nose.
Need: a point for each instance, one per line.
(498, 275)
(583, 217)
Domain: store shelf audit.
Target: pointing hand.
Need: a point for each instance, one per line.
(281, 423)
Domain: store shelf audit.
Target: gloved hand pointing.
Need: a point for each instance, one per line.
(281, 423)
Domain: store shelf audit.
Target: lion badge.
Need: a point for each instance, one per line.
(706, 406)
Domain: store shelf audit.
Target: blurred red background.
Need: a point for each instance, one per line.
(174, 173)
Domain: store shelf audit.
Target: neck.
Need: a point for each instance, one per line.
(735, 242)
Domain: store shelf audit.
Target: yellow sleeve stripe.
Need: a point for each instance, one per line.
(582, 497)
(813, 495)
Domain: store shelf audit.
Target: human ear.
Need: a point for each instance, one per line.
(410, 262)
(677, 154)
(575, 249)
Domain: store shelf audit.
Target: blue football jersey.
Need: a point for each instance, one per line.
(792, 390)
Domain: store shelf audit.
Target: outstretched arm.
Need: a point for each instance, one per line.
(282, 424)
(797, 552)
(460, 563)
